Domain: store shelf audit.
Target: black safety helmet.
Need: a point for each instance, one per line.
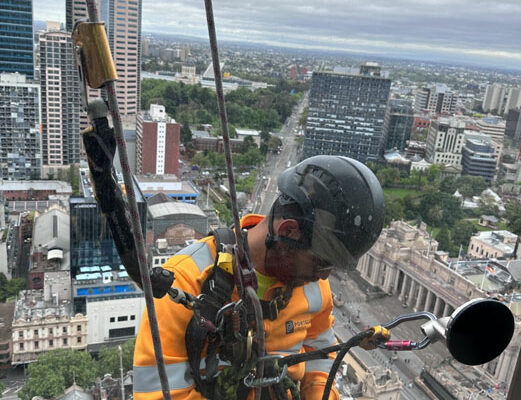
(342, 204)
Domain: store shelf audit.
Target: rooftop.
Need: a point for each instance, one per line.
(174, 208)
(31, 307)
(58, 186)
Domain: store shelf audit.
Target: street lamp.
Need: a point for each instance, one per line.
(121, 372)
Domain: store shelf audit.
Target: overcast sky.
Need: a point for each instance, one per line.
(480, 31)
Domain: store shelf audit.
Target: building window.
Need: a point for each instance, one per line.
(36, 344)
(122, 318)
(21, 346)
(51, 343)
(20, 334)
(36, 332)
(132, 317)
(50, 331)
(78, 339)
(65, 341)
(112, 319)
(78, 328)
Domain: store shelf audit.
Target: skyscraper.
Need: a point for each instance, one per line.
(20, 141)
(60, 101)
(123, 25)
(398, 123)
(346, 115)
(122, 20)
(16, 37)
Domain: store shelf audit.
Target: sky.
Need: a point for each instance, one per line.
(481, 32)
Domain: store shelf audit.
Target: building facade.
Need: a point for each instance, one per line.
(91, 242)
(20, 138)
(123, 25)
(403, 262)
(157, 142)
(445, 141)
(438, 99)
(493, 127)
(500, 99)
(492, 244)
(346, 115)
(478, 157)
(513, 125)
(398, 123)
(41, 325)
(60, 101)
(16, 37)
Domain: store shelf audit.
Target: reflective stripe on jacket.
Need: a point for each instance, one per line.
(304, 324)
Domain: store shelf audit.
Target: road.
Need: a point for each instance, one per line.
(266, 189)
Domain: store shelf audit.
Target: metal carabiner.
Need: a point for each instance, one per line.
(404, 345)
(251, 381)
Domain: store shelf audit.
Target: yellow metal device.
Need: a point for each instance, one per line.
(380, 335)
(93, 53)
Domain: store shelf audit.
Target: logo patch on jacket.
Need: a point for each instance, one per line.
(292, 326)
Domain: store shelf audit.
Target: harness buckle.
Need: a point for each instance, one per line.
(252, 382)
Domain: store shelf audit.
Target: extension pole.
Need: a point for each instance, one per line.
(134, 216)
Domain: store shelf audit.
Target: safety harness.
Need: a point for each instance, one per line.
(227, 334)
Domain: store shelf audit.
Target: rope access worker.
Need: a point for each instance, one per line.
(329, 212)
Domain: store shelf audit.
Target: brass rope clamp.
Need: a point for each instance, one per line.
(92, 56)
(379, 335)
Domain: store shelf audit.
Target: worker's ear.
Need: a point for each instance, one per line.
(288, 228)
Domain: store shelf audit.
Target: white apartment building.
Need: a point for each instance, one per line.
(501, 99)
(436, 99)
(445, 142)
(493, 127)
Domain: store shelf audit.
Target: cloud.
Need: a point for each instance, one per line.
(474, 28)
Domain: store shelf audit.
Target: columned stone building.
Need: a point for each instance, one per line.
(403, 262)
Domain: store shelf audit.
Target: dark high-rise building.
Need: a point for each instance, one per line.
(346, 115)
(91, 240)
(16, 37)
(20, 141)
(513, 125)
(398, 123)
(478, 158)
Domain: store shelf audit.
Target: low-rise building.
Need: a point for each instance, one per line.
(35, 190)
(492, 244)
(43, 322)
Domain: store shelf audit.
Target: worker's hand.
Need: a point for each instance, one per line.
(380, 335)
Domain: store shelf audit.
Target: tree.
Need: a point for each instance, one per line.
(10, 288)
(2, 387)
(449, 185)
(387, 176)
(443, 238)
(394, 210)
(462, 232)
(57, 370)
(186, 133)
(513, 217)
(108, 360)
(433, 173)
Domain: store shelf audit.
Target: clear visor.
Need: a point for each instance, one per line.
(325, 244)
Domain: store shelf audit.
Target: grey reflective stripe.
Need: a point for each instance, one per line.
(200, 253)
(146, 379)
(325, 339)
(319, 365)
(313, 296)
(292, 350)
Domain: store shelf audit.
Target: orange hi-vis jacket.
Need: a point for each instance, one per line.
(305, 324)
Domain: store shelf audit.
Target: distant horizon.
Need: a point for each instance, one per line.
(316, 50)
(464, 32)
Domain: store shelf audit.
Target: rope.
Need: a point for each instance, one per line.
(136, 225)
(242, 258)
